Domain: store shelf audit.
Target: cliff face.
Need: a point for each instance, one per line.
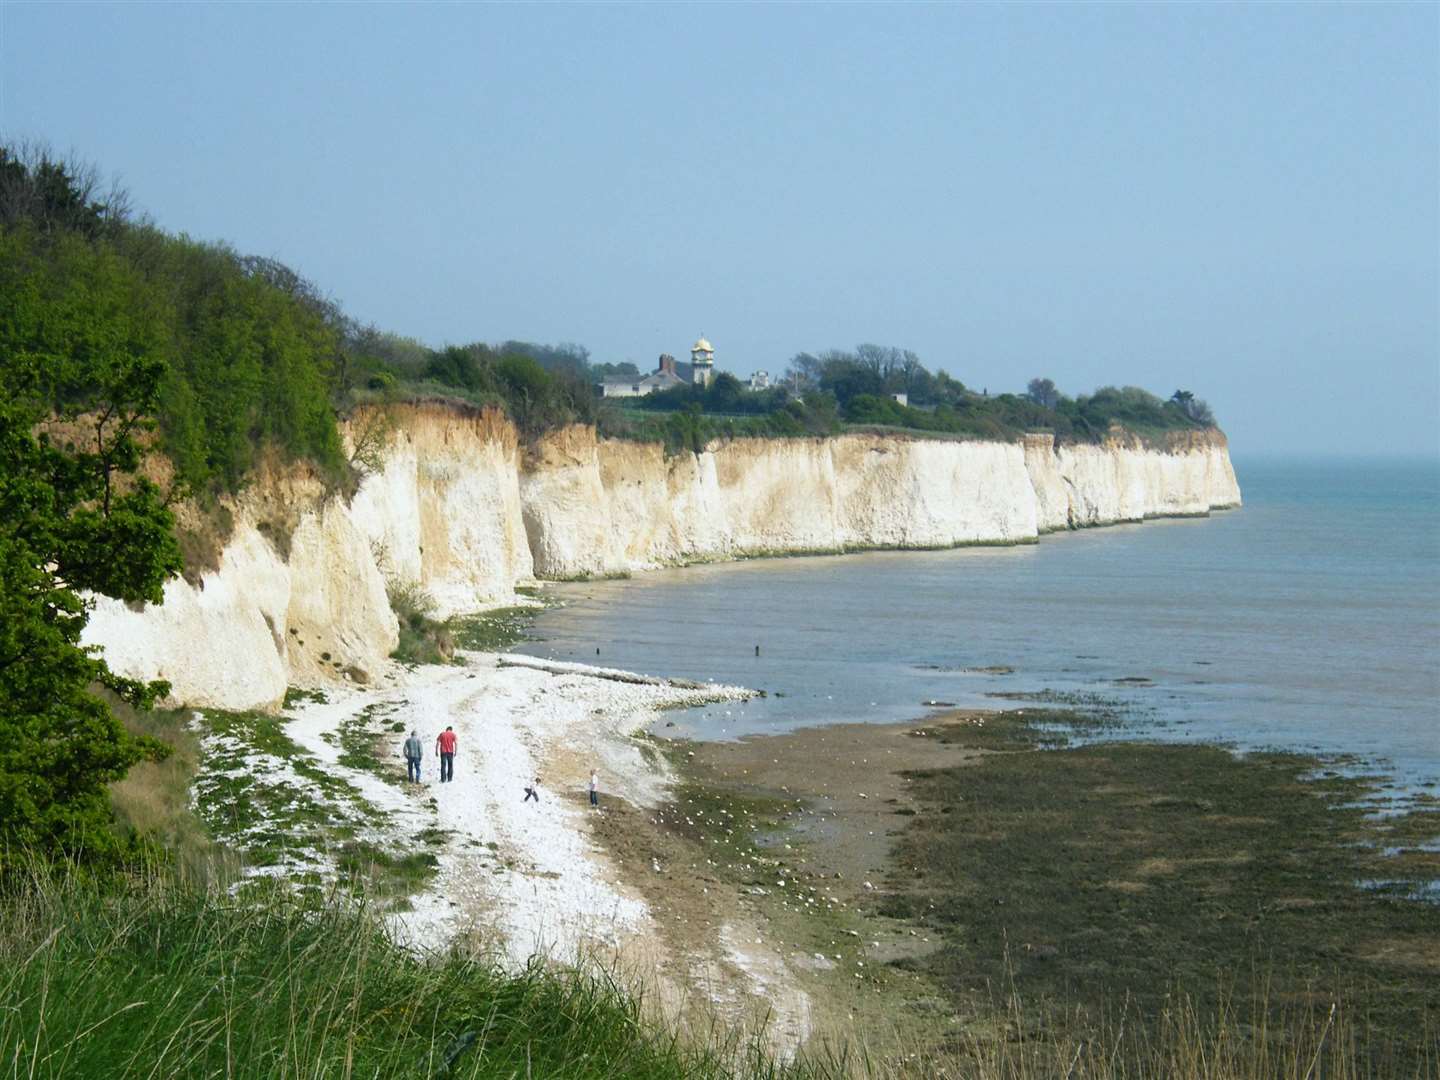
(604, 507)
(1124, 480)
(459, 506)
(266, 618)
(444, 510)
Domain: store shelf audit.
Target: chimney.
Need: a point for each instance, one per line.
(667, 363)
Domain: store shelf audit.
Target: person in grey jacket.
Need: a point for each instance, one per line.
(414, 751)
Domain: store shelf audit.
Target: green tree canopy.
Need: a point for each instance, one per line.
(81, 365)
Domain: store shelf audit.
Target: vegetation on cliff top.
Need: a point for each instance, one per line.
(251, 355)
(863, 388)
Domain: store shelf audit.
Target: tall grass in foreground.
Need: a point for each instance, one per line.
(152, 978)
(159, 980)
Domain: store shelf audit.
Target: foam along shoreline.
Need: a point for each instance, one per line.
(520, 879)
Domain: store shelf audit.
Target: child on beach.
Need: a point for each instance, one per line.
(532, 791)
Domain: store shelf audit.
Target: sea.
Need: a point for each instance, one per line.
(1307, 620)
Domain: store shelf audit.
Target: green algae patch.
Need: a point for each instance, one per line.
(494, 630)
(1090, 876)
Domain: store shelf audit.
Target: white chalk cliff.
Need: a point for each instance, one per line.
(462, 507)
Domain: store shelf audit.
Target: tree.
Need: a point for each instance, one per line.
(457, 365)
(1194, 408)
(56, 195)
(566, 357)
(916, 381)
(1042, 392)
(724, 394)
(883, 360)
(80, 372)
(848, 378)
(948, 389)
(529, 393)
(804, 372)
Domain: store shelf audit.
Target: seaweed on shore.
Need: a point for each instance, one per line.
(1138, 871)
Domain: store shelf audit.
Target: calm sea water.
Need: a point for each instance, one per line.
(1308, 620)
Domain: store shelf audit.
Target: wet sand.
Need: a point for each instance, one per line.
(849, 780)
(762, 873)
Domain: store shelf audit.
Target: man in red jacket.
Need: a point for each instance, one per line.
(445, 747)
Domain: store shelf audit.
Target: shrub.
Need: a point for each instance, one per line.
(422, 639)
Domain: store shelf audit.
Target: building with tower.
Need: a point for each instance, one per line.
(702, 362)
(668, 373)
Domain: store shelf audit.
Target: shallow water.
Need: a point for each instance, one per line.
(1309, 620)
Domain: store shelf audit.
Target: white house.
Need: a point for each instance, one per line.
(662, 378)
(667, 374)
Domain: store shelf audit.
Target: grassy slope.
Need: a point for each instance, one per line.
(146, 980)
(179, 974)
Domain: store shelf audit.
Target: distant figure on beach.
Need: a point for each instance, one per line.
(445, 747)
(532, 791)
(594, 788)
(414, 751)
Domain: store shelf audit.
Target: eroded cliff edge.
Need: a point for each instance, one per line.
(461, 506)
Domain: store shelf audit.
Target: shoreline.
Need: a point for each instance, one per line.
(738, 882)
(748, 555)
(966, 871)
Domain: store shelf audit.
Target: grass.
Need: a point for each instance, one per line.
(359, 738)
(1154, 874)
(295, 695)
(424, 640)
(384, 874)
(237, 792)
(152, 978)
(609, 575)
(273, 805)
(154, 799)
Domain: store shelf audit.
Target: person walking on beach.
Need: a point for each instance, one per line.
(445, 747)
(594, 789)
(532, 791)
(414, 751)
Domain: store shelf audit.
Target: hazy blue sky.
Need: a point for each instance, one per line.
(1239, 200)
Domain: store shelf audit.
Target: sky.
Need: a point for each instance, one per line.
(1239, 200)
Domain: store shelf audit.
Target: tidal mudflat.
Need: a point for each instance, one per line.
(957, 886)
